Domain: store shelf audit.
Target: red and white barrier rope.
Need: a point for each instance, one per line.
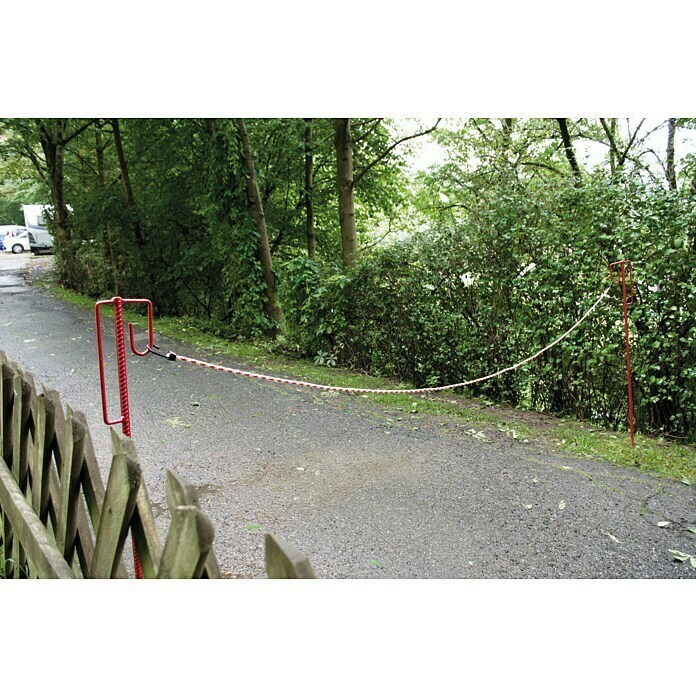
(422, 390)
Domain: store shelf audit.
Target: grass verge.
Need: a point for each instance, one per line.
(654, 455)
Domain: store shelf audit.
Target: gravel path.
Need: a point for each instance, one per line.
(363, 495)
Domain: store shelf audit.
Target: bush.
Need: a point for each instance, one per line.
(484, 292)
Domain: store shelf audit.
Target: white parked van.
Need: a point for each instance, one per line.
(40, 239)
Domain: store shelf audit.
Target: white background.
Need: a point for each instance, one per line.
(359, 58)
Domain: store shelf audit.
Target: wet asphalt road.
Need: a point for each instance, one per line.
(363, 495)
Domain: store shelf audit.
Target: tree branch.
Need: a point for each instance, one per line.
(366, 169)
(622, 159)
(568, 146)
(610, 137)
(78, 131)
(358, 124)
(382, 238)
(540, 165)
(371, 129)
(38, 164)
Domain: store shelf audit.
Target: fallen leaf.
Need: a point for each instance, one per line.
(561, 505)
(195, 403)
(686, 481)
(613, 538)
(680, 555)
(663, 523)
(528, 507)
(691, 529)
(300, 468)
(376, 564)
(176, 422)
(253, 527)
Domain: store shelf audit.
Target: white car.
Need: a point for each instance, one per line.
(16, 242)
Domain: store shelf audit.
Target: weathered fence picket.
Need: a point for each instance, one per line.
(285, 562)
(46, 559)
(57, 520)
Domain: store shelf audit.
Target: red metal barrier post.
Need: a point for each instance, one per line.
(622, 274)
(122, 369)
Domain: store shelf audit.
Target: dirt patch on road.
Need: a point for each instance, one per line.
(38, 269)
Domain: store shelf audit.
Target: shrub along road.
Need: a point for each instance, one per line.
(363, 494)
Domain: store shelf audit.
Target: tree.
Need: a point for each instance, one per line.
(127, 186)
(619, 151)
(568, 147)
(309, 189)
(43, 142)
(669, 169)
(100, 148)
(271, 306)
(346, 178)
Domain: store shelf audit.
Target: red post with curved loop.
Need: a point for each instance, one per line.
(122, 370)
(621, 273)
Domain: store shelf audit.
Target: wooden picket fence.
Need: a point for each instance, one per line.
(58, 521)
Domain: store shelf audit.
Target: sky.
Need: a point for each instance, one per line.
(426, 152)
(171, 58)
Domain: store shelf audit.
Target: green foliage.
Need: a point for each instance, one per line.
(11, 212)
(501, 250)
(314, 298)
(325, 359)
(231, 228)
(653, 454)
(494, 286)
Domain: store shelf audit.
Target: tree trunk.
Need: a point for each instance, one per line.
(507, 134)
(309, 189)
(127, 188)
(101, 174)
(568, 147)
(671, 174)
(614, 154)
(271, 306)
(346, 201)
(52, 137)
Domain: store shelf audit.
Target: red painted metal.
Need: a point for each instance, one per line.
(619, 271)
(122, 370)
(122, 375)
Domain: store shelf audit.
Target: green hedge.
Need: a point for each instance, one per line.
(484, 290)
